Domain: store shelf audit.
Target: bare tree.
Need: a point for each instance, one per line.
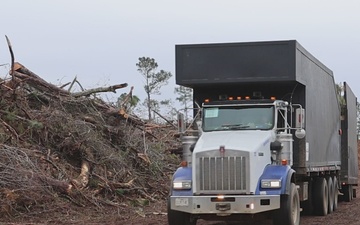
(153, 80)
(184, 97)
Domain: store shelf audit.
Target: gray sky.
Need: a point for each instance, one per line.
(100, 41)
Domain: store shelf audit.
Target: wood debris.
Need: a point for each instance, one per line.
(54, 141)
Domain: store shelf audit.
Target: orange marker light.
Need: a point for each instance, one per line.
(284, 162)
(231, 98)
(247, 97)
(184, 164)
(207, 100)
(238, 98)
(272, 98)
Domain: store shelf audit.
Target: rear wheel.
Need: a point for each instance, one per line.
(331, 195)
(336, 193)
(321, 197)
(289, 212)
(179, 218)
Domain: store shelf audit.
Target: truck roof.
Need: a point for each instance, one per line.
(243, 62)
(283, 69)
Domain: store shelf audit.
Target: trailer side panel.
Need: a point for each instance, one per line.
(349, 151)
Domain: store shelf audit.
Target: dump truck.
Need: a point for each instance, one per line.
(274, 136)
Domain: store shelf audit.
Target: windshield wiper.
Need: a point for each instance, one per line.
(234, 126)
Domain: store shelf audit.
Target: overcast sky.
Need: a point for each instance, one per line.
(100, 41)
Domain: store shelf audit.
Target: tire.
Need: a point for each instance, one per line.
(331, 193)
(336, 193)
(289, 212)
(179, 218)
(321, 197)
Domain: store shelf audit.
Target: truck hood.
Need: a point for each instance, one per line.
(243, 140)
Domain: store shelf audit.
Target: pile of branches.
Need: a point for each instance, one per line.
(56, 145)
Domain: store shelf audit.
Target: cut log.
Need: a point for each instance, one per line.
(169, 122)
(112, 88)
(83, 179)
(40, 84)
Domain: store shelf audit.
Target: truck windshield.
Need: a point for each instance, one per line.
(238, 118)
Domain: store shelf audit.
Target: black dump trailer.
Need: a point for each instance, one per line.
(287, 71)
(349, 149)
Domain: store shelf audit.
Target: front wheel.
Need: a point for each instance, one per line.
(179, 218)
(289, 212)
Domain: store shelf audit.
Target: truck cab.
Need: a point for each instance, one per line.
(241, 161)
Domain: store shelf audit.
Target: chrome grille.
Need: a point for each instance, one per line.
(222, 173)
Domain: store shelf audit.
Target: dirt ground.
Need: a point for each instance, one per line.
(155, 214)
(64, 211)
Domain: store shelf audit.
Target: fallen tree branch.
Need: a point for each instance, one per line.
(72, 84)
(123, 185)
(59, 186)
(22, 69)
(164, 118)
(11, 54)
(112, 88)
(10, 129)
(83, 179)
(39, 83)
(128, 96)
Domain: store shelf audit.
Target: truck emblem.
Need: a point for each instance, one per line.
(222, 150)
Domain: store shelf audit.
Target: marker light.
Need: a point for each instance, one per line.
(238, 98)
(284, 162)
(247, 97)
(207, 100)
(272, 98)
(231, 98)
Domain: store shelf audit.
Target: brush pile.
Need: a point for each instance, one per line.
(57, 146)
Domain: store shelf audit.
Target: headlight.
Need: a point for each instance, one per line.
(182, 185)
(271, 183)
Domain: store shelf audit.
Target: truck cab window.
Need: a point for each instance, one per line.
(238, 118)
